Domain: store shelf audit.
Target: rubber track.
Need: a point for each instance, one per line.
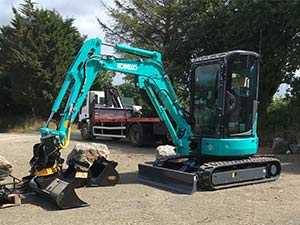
(206, 170)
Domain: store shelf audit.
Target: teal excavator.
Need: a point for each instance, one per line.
(215, 140)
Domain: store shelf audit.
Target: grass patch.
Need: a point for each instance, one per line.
(19, 124)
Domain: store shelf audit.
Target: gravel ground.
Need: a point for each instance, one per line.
(132, 203)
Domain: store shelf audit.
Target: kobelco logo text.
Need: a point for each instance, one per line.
(125, 66)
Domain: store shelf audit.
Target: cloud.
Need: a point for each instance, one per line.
(84, 13)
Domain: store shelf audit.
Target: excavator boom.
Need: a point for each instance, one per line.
(47, 177)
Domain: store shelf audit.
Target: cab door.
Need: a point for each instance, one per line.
(207, 97)
(241, 95)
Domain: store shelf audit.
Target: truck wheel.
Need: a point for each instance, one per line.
(85, 133)
(136, 135)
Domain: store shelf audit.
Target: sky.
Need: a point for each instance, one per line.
(282, 89)
(84, 13)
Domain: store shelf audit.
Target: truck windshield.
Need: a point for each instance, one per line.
(206, 99)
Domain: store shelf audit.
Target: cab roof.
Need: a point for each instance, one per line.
(223, 55)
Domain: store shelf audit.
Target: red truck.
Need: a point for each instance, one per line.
(106, 114)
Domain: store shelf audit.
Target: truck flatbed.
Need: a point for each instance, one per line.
(100, 118)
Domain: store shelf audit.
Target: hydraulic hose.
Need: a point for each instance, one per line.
(66, 142)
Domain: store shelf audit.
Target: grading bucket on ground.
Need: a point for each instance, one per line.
(59, 191)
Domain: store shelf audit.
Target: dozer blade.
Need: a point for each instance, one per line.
(168, 179)
(58, 191)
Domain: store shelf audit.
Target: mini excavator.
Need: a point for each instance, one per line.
(215, 141)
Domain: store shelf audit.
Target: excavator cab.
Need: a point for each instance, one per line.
(224, 103)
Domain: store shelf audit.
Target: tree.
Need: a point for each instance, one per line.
(183, 29)
(150, 24)
(103, 79)
(273, 29)
(139, 97)
(35, 52)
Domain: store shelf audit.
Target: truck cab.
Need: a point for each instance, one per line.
(93, 97)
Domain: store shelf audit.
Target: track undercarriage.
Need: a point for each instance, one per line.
(188, 174)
